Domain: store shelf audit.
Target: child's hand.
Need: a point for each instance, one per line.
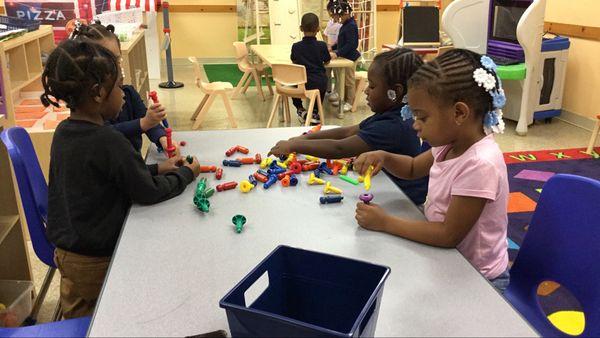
(282, 148)
(170, 164)
(194, 166)
(372, 158)
(154, 115)
(163, 143)
(333, 55)
(371, 216)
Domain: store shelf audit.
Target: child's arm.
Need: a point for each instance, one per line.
(401, 166)
(462, 214)
(334, 133)
(350, 43)
(324, 148)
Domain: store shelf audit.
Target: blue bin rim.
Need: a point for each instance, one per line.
(225, 305)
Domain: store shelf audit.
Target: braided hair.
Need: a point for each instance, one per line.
(449, 78)
(73, 68)
(398, 65)
(93, 32)
(341, 7)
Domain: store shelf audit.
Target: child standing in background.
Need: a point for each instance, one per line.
(384, 130)
(456, 100)
(95, 173)
(313, 55)
(331, 34)
(346, 47)
(134, 119)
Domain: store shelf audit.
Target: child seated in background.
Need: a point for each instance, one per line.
(95, 173)
(134, 119)
(456, 100)
(384, 130)
(313, 55)
(346, 47)
(331, 35)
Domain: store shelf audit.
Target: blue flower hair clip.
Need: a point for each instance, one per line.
(406, 112)
(498, 98)
(493, 123)
(488, 63)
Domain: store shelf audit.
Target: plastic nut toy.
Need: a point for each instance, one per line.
(239, 221)
(246, 186)
(312, 180)
(329, 189)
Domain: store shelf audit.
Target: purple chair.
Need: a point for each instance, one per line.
(561, 245)
(73, 328)
(34, 197)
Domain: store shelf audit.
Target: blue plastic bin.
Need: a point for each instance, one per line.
(310, 294)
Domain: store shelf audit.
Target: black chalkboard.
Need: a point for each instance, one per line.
(421, 24)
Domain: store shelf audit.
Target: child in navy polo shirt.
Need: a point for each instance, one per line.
(346, 47)
(385, 130)
(313, 55)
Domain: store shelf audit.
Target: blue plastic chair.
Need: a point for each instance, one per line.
(34, 197)
(561, 245)
(74, 328)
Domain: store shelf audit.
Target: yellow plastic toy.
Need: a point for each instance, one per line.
(368, 177)
(263, 163)
(329, 189)
(344, 169)
(291, 158)
(246, 186)
(281, 165)
(312, 179)
(361, 179)
(312, 158)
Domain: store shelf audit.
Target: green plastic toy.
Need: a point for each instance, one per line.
(189, 159)
(348, 179)
(239, 221)
(202, 194)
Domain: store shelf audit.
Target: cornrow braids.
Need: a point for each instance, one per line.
(93, 32)
(73, 68)
(449, 77)
(398, 65)
(341, 7)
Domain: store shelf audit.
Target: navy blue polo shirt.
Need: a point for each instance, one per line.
(313, 55)
(347, 43)
(128, 120)
(388, 132)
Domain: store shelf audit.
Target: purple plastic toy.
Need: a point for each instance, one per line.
(366, 198)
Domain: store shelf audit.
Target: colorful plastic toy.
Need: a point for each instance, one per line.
(260, 177)
(209, 192)
(285, 181)
(170, 147)
(252, 180)
(317, 172)
(302, 162)
(182, 143)
(366, 198)
(246, 186)
(329, 163)
(276, 171)
(154, 97)
(348, 179)
(189, 159)
(313, 130)
(246, 160)
(243, 150)
(293, 180)
(310, 166)
(344, 169)
(230, 151)
(226, 186)
(203, 205)
(368, 177)
(232, 163)
(290, 158)
(207, 168)
(202, 194)
(296, 167)
(312, 180)
(201, 186)
(263, 163)
(238, 221)
(257, 159)
(263, 172)
(272, 180)
(312, 158)
(330, 199)
(282, 165)
(219, 173)
(325, 168)
(284, 174)
(361, 179)
(336, 168)
(331, 190)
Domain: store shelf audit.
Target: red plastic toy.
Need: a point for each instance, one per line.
(154, 96)
(295, 167)
(207, 168)
(310, 166)
(170, 147)
(243, 150)
(182, 143)
(231, 150)
(260, 177)
(285, 181)
(246, 160)
(284, 174)
(219, 173)
(226, 186)
(257, 158)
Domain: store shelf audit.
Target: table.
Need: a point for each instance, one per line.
(280, 54)
(173, 264)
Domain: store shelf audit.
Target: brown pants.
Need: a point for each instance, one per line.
(349, 85)
(80, 282)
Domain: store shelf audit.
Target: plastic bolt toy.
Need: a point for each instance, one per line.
(329, 189)
(226, 186)
(348, 179)
(312, 180)
(239, 221)
(330, 199)
(246, 186)
(368, 177)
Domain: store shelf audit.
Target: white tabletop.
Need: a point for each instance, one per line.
(173, 264)
(280, 54)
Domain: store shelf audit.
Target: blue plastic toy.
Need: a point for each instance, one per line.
(232, 163)
(561, 245)
(263, 172)
(317, 172)
(252, 180)
(293, 180)
(272, 180)
(323, 167)
(276, 171)
(330, 199)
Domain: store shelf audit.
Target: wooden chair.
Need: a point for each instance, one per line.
(256, 70)
(360, 83)
(290, 82)
(211, 91)
(594, 137)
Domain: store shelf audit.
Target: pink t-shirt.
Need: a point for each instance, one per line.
(479, 172)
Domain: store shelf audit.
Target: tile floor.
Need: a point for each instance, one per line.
(251, 112)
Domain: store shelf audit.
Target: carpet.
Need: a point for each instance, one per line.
(226, 72)
(527, 173)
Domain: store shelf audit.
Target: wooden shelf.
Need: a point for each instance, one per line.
(6, 224)
(19, 85)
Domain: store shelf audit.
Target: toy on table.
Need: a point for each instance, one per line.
(182, 143)
(313, 130)
(226, 186)
(243, 150)
(284, 174)
(348, 179)
(312, 158)
(329, 189)
(246, 186)
(272, 180)
(276, 171)
(170, 147)
(252, 180)
(246, 160)
(266, 162)
(289, 159)
(296, 167)
(366, 198)
(260, 177)
(293, 180)
(219, 173)
(325, 168)
(361, 179)
(330, 199)
(312, 180)
(189, 159)
(368, 177)
(285, 181)
(263, 172)
(317, 172)
(239, 148)
(310, 166)
(232, 163)
(239, 221)
(154, 97)
(202, 194)
(344, 169)
(257, 158)
(208, 168)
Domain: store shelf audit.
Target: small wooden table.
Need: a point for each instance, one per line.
(280, 54)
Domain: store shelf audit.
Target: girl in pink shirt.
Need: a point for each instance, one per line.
(456, 103)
